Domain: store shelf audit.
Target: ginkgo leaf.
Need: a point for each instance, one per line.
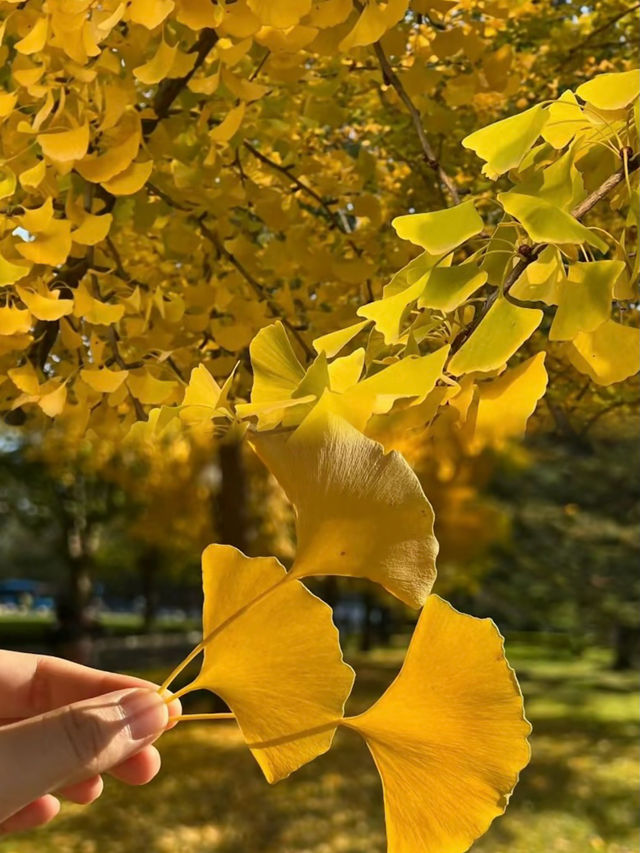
(272, 653)
(448, 287)
(566, 119)
(585, 298)
(10, 272)
(505, 404)
(333, 342)
(449, 736)
(33, 177)
(442, 230)
(611, 91)
(45, 307)
(504, 143)
(113, 162)
(375, 19)
(229, 125)
(344, 372)
(25, 378)
(542, 279)
(279, 13)
(94, 310)
(8, 181)
(202, 397)
(50, 246)
(38, 219)
(197, 14)
(14, 321)
(412, 376)
(102, 379)
(93, 229)
(359, 512)
(608, 354)
(276, 369)
(150, 390)
(159, 66)
(546, 223)
(53, 402)
(36, 38)
(499, 334)
(271, 413)
(131, 180)
(150, 13)
(66, 145)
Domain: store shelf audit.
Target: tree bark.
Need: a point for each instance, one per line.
(233, 510)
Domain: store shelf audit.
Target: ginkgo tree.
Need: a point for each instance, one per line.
(196, 198)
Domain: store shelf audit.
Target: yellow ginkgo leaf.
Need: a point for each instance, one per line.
(333, 342)
(53, 401)
(7, 181)
(542, 279)
(375, 19)
(566, 119)
(33, 177)
(150, 13)
(149, 390)
(449, 736)
(279, 13)
(276, 369)
(202, 397)
(104, 167)
(14, 321)
(25, 378)
(102, 379)
(7, 103)
(442, 230)
(505, 404)
(344, 372)
(93, 229)
(45, 307)
(359, 512)
(38, 219)
(66, 145)
(585, 298)
(197, 14)
(10, 272)
(159, 66)
(36, 38)
(448, 287)
(504, 143)
(499, 334)
(413, 376)
(271, 413)
(611, 91)
(388, 313)
(546, 223)
(94, 310)
(51, 246)
(131, 180)
(229, 125)
(272, 653)
(611, 353)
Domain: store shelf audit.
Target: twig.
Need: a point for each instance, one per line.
(534, 251)
(391, 78)
(256, 287)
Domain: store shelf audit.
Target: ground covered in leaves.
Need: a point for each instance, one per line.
(577, 795)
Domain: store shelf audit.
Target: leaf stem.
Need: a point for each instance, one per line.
(222, 716)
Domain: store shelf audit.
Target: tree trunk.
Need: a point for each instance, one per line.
(233, 511)
(626, 647)
(148, 567)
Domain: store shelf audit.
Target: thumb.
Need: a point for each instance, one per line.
(75, 742)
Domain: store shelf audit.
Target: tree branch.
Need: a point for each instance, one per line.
(256, 287)
(391, 79)
(533, 253)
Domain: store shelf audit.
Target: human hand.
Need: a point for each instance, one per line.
(62, 725)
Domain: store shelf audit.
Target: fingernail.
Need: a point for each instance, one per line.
(145, 713)
(174, 707)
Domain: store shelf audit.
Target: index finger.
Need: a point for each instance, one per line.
(35, 684)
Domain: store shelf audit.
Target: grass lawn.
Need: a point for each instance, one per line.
(579, 793)
(19, 628)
